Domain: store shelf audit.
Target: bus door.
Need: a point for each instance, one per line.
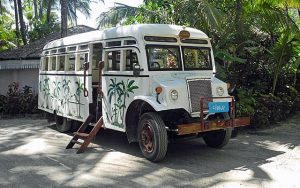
(96, 57)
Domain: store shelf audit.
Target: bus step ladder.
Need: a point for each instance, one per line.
(86, 137)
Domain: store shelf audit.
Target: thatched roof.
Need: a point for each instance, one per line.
(34, 49)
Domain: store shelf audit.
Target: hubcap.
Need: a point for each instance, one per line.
(147, 138)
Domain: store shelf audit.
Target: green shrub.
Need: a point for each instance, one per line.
(18, 101)
(245, 103)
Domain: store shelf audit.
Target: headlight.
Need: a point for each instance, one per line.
(220, 91)
(174, 94)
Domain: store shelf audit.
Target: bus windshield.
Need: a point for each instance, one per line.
(163, 57)
(196, 58)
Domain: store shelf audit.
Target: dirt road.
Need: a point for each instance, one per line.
(32, 154)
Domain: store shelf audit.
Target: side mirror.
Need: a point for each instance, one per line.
(136, 70)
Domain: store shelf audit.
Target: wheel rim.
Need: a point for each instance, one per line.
(147, 138)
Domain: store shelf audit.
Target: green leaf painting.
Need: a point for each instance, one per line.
(117, 93)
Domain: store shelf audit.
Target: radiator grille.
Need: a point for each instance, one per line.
(198, 89)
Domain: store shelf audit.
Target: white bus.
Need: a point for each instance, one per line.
(157, 83)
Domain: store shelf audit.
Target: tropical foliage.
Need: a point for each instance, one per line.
(257, 46)
(23, 22)
(18, 101)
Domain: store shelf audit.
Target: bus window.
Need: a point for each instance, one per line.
(62, 50)
(129, 42)
(53, 63)
(131, 59)
(61, 65)
(72, 49)
(82, 59)
(45, 63)
(163, 58)
(196, 58)
(113, 58)
(70, 62)
(83, 47)
(97, 55)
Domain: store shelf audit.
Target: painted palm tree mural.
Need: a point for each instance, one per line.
(55, 95)
(46, 92)
(117, 93)
(77, 96)
(67, 97)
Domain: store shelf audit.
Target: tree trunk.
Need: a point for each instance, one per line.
(75, 13)
(1, 11)
(17, 22)
(35, 9)
(22, 23)
(49, 11)
(64, 17)
(41, 9)
(238, 22)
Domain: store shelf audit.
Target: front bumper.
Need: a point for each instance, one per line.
(198, 127)
(210, 125)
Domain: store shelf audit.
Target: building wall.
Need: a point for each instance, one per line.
(24, 77)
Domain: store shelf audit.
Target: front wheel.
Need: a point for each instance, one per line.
(62, 124)
(218, 139)
(152, 135)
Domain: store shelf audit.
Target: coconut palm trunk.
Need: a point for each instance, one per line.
(35, 9)
(17, 22)
(1, 11)
(75, 12)
(41, 9)
(22, 23)
(64, 17)
(49, 5)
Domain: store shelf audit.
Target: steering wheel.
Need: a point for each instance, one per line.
(155, 65)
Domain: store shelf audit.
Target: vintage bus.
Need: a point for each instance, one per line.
(155, 82)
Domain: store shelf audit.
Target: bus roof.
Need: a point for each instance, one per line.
(137, 31)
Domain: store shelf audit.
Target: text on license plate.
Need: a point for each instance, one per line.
(217, 107)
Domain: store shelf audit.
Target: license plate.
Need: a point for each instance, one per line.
(217, 107)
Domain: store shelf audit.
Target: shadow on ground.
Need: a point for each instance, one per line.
(33, 155)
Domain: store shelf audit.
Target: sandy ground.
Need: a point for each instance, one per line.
(32, 154)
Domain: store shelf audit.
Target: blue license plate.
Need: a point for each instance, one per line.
(217, 107)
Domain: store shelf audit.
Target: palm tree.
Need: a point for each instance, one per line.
(35, 9)
(22, 23)
(49, 5)
(193, 13)
(64, 17)
(16, 22)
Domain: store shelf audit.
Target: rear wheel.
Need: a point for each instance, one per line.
(218, 139)
(152, 135)
(62, 124)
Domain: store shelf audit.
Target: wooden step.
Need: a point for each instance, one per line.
(81, 135)
(86, 137)
(76, 142)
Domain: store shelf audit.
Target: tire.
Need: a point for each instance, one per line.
(50, 118)
(218, 139)
(234, 133)
(62, 124)
(152, 136)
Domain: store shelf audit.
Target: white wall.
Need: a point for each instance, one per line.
(24, 77)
